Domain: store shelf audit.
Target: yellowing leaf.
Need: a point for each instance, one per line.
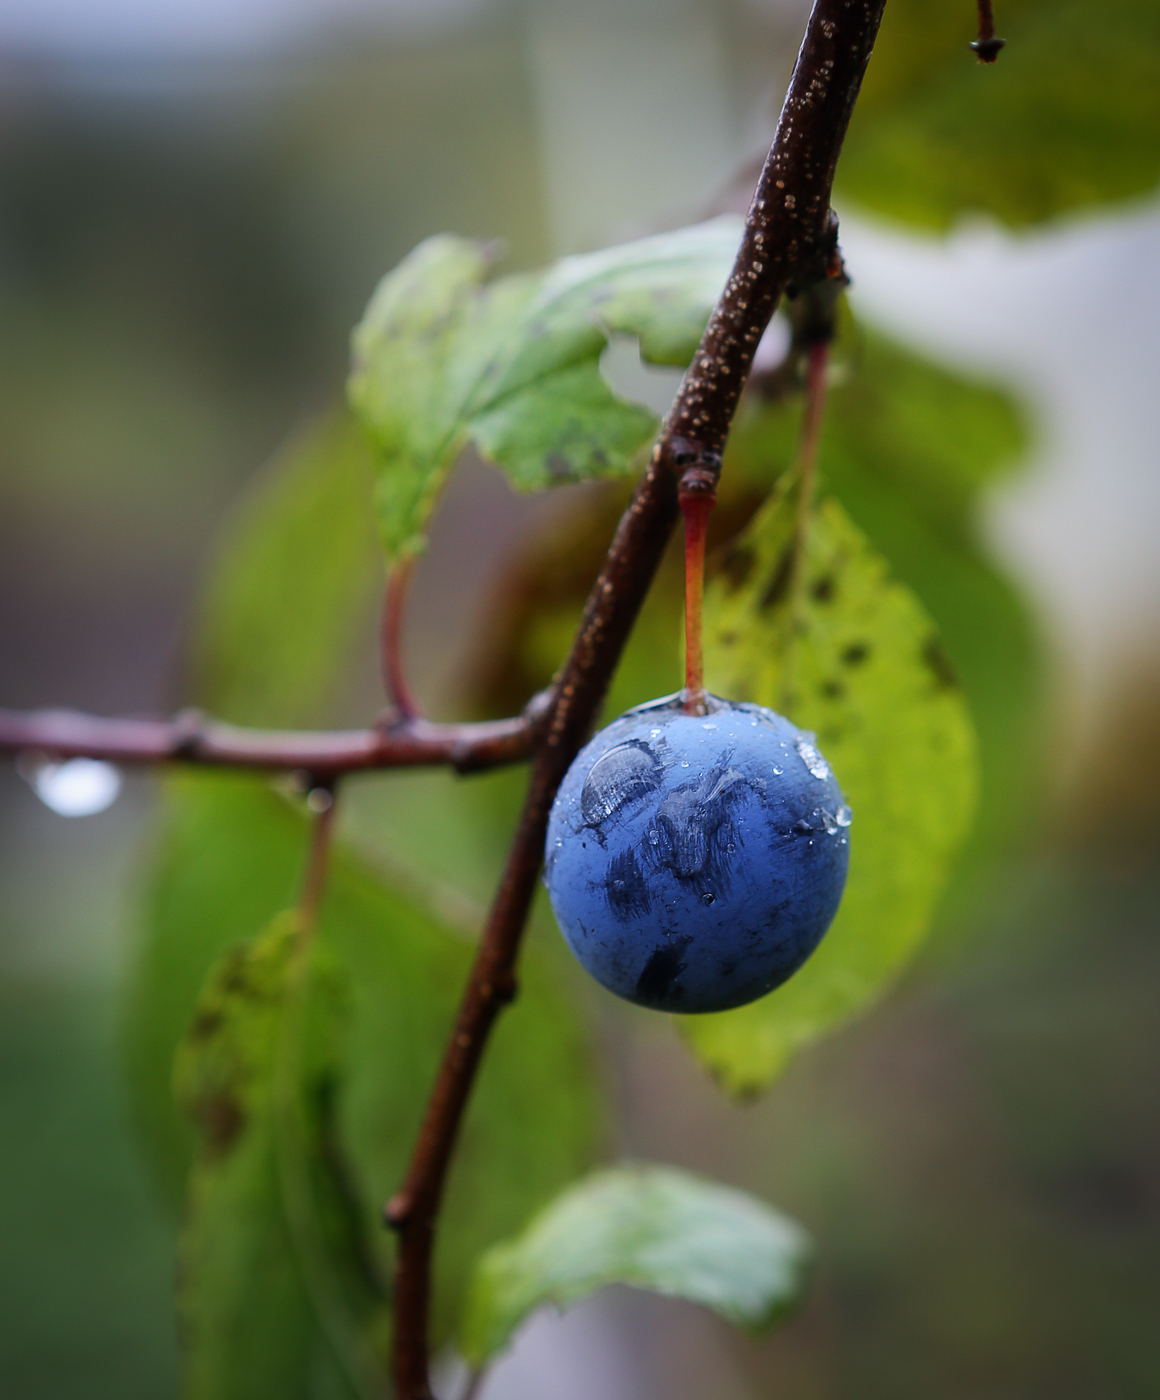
(856, 659)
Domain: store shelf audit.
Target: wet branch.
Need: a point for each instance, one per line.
(789, 233)
(190, 738)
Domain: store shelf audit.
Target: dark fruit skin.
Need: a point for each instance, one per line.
(695, 861)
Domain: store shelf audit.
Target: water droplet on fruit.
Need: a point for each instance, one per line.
(844, 816)
(79, 787)
(708, 897)
(810, 756)
(684, 762)
(625, 772)
(778, 770)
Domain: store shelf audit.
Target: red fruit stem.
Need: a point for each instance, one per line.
(818, 363)
(696, 508)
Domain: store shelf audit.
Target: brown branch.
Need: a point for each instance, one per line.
(789, 232)
(191, 739)
(987, 46)
(398, 692)
(320, 800)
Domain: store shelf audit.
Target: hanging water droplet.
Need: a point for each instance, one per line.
(319, 800)
(845, 816)
(79, 787)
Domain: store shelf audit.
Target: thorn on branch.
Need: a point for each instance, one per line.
(987, 46)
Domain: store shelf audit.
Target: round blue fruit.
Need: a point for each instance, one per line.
(694, 861)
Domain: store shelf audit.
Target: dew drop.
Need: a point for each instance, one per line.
(844, 816)
(79, 787)
(684, 762)
(810, 756)
(319, 800)
(623, 774)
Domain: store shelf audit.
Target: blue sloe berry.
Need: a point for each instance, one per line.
(694, 861)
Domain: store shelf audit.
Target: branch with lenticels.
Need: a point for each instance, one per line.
(790, 236)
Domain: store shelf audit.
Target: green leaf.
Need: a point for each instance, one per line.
(273, 1254)
(292, 582)
(651, 1227)
(1067, 118)
(443, 358)
(227, 860)
(857, 660)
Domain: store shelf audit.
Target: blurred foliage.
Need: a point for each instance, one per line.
(192, 309)
(291, 584)
(1068, 117)
(648, 1226)
(443, 358)
(848, 653)
(227, 863)
(273, 1247)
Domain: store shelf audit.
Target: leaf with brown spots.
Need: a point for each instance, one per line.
(272, 1253)
(849, 657)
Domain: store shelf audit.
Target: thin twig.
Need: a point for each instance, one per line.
(807, 461)
(805, 469)
(788, 230)
(987, 46)
(192, 739)
(364, 1370)
(320, 800)
(398, 692)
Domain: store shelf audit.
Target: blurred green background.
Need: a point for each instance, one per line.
(191, 220)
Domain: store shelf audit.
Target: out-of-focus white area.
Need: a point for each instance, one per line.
(1069, 319)
(87, 29)
(80, 787)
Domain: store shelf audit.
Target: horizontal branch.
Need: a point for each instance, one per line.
(190, 738)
